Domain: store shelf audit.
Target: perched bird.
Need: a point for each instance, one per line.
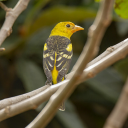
(58, 53)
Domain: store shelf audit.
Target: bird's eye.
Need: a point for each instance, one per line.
(68, 25)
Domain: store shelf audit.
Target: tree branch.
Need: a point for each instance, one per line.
(89, 72)
(99, 26)
(11, 16)
(4, 7)
(107, 52)
(16, 99)
(120, 111)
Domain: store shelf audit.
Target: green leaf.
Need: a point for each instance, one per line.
(121, 8)
(51, 16)
(97, 0)
(30, 74)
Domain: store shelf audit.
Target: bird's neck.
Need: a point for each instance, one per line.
(61, 33)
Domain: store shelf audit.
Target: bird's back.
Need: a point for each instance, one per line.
(57, 43)
(56, 58)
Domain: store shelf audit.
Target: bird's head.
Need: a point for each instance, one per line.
(65, 29)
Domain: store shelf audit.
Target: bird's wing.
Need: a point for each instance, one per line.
(63, 61)
(48, 63)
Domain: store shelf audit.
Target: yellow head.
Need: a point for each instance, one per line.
(65, 29)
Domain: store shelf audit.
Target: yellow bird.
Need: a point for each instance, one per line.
(58, 53)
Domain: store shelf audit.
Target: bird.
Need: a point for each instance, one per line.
(57, 53)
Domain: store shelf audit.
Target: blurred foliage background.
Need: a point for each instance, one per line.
(21, 67)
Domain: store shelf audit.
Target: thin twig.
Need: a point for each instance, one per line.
(120, 111)
(89, 72)
(11, 16)
(4, 7)
(99, 26)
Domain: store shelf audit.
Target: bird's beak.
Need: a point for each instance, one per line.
(77, 28)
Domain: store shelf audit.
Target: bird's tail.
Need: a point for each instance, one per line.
(62, 107)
